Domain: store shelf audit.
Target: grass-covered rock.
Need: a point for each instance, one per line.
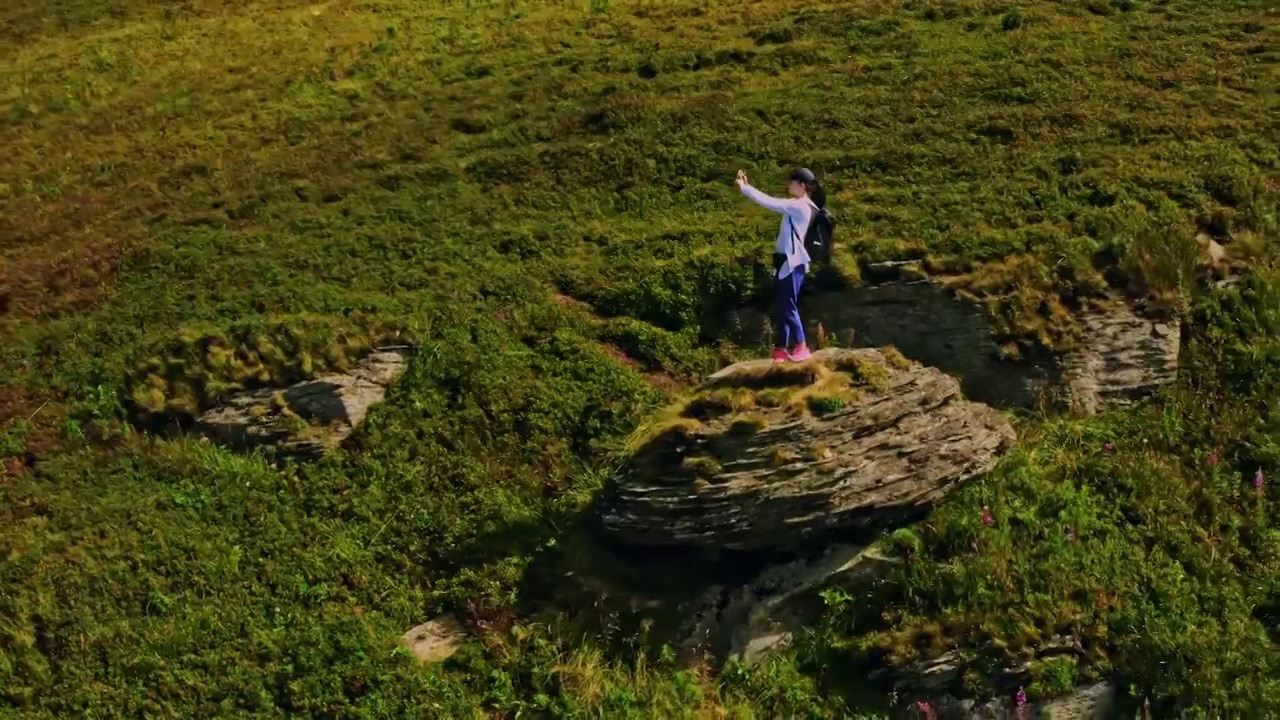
(203, 199)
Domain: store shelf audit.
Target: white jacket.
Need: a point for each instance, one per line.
(796, 214)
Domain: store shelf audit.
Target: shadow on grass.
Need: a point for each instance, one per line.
(636, 604)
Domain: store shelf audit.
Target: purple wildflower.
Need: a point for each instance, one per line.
(986, 516)
(1213, 458)
(1021, 697)
(1257, 479)
(925, 708)
(1109, 448)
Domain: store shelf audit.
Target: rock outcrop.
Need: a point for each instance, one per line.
(926, 322)
(768, 456)
(748, 622)
(309, 418)
(763, 458)
(1123, 354)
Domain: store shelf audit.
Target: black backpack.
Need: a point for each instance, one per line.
(817, 239)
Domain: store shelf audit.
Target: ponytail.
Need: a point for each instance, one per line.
(811, 185)
(818, 194)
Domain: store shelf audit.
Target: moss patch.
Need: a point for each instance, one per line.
(894, 358)
(717, 402)
(701, 466)
(747, 425)
(864, 371)
(715, 419)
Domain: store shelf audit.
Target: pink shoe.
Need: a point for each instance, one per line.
(801, 353)
(780, 355)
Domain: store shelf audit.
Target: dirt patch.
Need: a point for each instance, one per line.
(656, 378)
(60, 255)
(573, 302)
(12, 467)
(15, 403)
(38, 285)
(42, 417)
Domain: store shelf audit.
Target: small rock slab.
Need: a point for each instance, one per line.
(1095, 702)
(1090, 702)
(1125, 356)
(308, 418)
(435, 640)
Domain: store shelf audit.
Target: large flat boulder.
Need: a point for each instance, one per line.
(767, 456)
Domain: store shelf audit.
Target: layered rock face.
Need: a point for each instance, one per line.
(925, 321)
(1124, 354)
(765, 456)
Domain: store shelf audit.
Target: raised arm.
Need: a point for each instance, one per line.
(776, 204)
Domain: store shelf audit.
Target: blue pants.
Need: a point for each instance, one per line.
(786, 292)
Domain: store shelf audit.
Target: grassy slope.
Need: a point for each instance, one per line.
(299, 179)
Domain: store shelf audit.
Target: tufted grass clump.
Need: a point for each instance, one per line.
(202, 366)
(701, 466)
(774, 376)
(719, 401)
(663, 433)
(825, 404)
(894, 358)
(826, 396)
(747, 425)
(864, 370)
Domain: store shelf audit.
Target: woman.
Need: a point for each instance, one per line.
(789, 257)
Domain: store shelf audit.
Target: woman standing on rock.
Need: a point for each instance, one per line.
(790, 258)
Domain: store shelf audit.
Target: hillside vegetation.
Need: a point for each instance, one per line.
(208, 195)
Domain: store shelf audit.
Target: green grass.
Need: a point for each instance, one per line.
(210, 195)
(1142, 533)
